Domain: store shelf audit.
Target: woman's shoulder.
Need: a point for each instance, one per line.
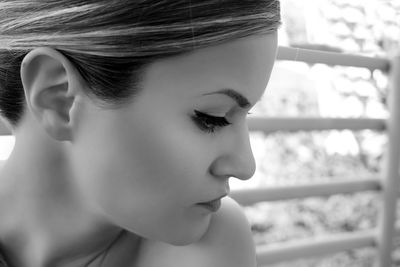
(227, 243)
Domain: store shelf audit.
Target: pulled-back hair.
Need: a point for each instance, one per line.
(111, 41)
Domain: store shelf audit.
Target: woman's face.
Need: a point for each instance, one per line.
(147, 165)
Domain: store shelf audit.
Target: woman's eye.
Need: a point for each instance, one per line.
(208, 123)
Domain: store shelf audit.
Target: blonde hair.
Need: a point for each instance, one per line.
(110, 42)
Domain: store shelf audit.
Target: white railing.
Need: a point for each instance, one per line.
(387, 183)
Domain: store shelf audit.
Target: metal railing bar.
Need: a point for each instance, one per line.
(288, 124)
(332, 58)
(390, 181)
(277, 193)
(315, 247)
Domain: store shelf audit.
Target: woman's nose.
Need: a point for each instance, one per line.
(236, 160)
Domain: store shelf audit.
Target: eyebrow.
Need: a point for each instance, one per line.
(236, 96)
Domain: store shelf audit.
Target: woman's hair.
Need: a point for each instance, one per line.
(111, 41)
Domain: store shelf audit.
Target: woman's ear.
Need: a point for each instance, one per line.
(51, 84)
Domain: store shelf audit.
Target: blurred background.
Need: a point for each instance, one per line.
(365, 27)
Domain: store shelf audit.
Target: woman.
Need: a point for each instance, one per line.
(129, 119)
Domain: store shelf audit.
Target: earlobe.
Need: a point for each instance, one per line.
(49, 83)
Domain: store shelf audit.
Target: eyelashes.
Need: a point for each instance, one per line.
(208, 123)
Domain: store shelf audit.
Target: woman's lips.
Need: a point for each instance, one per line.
(212, 206)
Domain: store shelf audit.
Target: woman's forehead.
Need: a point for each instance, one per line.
(234, 69)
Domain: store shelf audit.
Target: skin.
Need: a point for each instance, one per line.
(81, 173)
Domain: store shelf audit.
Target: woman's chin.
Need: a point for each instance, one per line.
(185, 241)
(190, 236)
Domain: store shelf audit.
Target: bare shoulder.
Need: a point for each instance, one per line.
(229, 242)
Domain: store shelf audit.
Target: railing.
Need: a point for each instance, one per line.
(387, 184)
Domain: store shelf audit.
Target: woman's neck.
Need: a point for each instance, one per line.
(44, 220)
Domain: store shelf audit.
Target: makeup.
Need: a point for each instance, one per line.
(209, 123)
(212, 206)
